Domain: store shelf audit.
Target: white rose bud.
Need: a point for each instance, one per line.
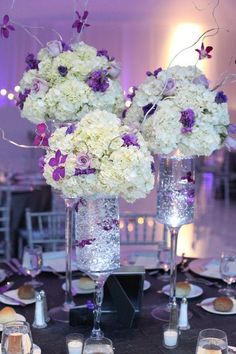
(114, 70)
(54, 48)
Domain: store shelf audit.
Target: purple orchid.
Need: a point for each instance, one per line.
(150, 108)
(104, 53)
(41, 163)
(231, 128)
(21, 98)
(188, 177)
(32, 62)
(98, 81)
(204, 52)
(188, 120)
(56, 161)
(83, 161)
(66, 47)
(155, 73)
(221, 97)
(170, 87)
(124, 113)
(42, 135)
(85, 242)
(6, 27)
(201, 80)
(108, 224)
(63, 71)
(71, 129)
(87, 171)
(130, 140)
(81, 21)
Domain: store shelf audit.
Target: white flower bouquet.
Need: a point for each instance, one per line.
(176, 109)
(65, 82)
(98, 155)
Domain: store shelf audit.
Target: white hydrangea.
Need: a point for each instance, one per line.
(114, 166)
(69, 96)
(162, 129)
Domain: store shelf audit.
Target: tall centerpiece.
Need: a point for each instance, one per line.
(97, 160)
(180, 117)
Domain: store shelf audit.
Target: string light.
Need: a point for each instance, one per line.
(10, 96)
(3, 92)
(17, 88)
(128, 103)
(131, 90)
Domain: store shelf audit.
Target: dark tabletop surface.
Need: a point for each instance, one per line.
(145, 337)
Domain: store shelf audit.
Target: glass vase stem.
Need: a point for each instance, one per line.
(174, 231)
(99, 291)
(69, 204)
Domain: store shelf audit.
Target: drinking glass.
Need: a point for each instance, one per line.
(74, 343)
(32, 263)
(165, 262)
(16, 338)
(212, 340)
(98, 346)
(228, 272)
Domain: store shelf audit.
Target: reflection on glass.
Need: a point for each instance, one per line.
(32, 263)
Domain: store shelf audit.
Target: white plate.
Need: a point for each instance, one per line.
(13, 293)
(148, 259)
(56, 260)
(194, 292)
(77, 289)
(3, 275)
(206, 267)
(17, 318)
(208, 306)
(36, 349)
(146, 285)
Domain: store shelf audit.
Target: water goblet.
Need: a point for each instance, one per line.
(212, 340)
(32, 263)
(228, 272)
(98, 346)
(16, 338)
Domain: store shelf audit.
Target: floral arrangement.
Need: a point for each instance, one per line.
(176, 109)
(98, 155)
(64, 82)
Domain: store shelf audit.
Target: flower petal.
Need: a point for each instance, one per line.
(5, 19)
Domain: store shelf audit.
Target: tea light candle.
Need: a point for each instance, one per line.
(170, 337)
(75, 347)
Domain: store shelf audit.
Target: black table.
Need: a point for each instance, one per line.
(146, 335)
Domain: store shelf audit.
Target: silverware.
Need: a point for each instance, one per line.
(18, 265)
(190, 278)
(154, 272)
(12, 299)
(200, 304)
(12, 267)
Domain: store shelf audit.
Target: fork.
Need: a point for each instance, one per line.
(190, 278)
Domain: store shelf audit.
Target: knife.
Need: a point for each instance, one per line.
(12, 299)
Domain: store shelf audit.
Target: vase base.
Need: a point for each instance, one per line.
(61, 313)
(162, 313)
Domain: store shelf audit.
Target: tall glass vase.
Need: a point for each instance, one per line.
(97, 240)
(61, 313)
(175, 207)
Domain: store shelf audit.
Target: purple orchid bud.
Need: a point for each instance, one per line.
(71, 129)
(54, 48)
(63, 71)
(87, 171)
(130, 140)
(83, 161)
(32, 62)
(188, 120)
(21, 98)
(201, 80)
(90, 305)
(39, 86)
(204, 52)
(169, 87)
(221, 97)
(104, 53)
(98, 81)
(150, 109)
(114, 70)
(232, 129)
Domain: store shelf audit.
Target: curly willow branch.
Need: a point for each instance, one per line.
(19, 145)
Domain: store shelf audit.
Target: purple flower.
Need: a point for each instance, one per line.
(6, 27)
(98, 81)
(63, 71)
(150, 107)
(90, 305)
(104, 53)
(155, 73)
(188, 120)
(65, 47)
(108, 224)
(83, 161)
(56, 161)
(54, 48)
(169, 87)
(188, 177)
(204, 52)
(21, 97)
(81, 21)
(87, 171)
(130, 140)
(201, 80)
(124, 113)
(85, 242)
(190, 196)
(41, 163)
(131, 96)
(232, 129)
(32, 62)
(221, 97)
(58, 173)
(42, 135)
(70, 129)
(39, 86)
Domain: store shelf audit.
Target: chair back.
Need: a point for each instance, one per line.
(138, 229)
(46, 229)
(5, 212)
